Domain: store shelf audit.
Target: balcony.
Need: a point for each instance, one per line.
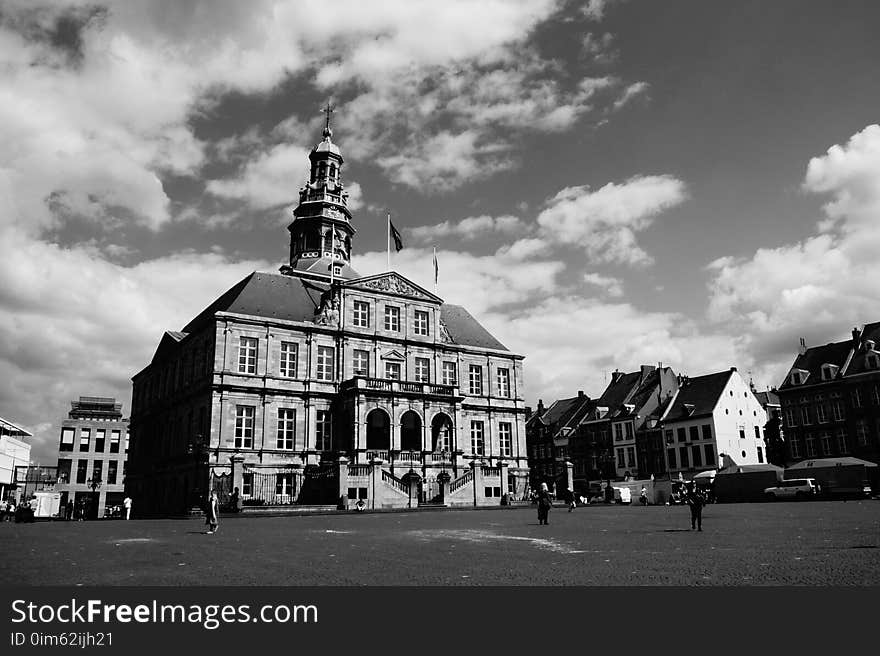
(392, 386)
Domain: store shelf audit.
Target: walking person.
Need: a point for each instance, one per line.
(544, 505)
(212, 512)
(570, 499)
(695, 499)
(127, 503)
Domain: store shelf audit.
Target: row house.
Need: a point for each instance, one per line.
(830, 399)
(548, 436)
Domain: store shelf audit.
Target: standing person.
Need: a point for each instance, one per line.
(212, 513)
(544, 505)
(569, 499)
(694, 498)
(68, 510)
(127, 503)
(643, 496)
(235, 502)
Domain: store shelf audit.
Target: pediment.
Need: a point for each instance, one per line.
(393, 284)
(393, 354)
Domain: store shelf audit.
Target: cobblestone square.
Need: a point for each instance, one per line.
(821, 543)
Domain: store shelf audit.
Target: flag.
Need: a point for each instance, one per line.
(395, 235)
(436, 267)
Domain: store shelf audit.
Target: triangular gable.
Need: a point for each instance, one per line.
(169, 340)
(394, 284)
(393, 354)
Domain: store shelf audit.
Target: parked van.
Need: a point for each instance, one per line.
(794, 488)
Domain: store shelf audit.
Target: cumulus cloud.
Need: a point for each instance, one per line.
(818, 287)
(268, 181)
(605, 222)
(612, 286)
(469, 227)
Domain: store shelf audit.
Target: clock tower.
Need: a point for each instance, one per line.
(321, 232)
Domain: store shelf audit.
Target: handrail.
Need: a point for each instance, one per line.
(394, 482)
(461, 481)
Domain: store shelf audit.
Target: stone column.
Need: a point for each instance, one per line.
(569, 474)
(477, 469)
(237, 465)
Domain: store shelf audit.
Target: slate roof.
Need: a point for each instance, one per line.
(618, 392)
(768, 397)
(292, 298)
(835, 353)
(701, 392)
(857, 363)
(13, 429)
(566, 412)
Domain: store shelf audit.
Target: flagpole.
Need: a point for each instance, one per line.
(388, 250)
(435, 270)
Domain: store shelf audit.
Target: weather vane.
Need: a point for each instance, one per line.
(327, 111)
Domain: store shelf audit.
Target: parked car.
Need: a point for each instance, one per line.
(795, 488)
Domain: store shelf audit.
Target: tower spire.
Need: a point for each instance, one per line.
(328, 109)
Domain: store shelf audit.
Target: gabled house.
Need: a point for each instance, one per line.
(548, 435)
(713, 417)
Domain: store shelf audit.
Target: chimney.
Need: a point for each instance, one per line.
(803, 346)
(581, 394)
(856, 337)
(540, 407)
(615, 376)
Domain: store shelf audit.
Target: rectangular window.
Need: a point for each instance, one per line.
(420, 323)
(286, 428)
(821, 413)
(392, 318)
(127, 437)
(837, 410)
(805, 415)
(670, 437)
(681, 434)
(842, 444)
(97, 471)
(449, 377)
(505, 433)
(742, 433)
(856, 398)
(875, 395)
(504, 383)
(82, 468)
(289, 355)
(67, 437)
(861, 432)
(760, 455)
(85, 435)
(283, 485)
(707, 431)
(618, 432)
(621, 458)
(683, 452)
(247, 355)
(247, 484)
(323, 431)
(477, 438)
(697, 455)
(244, 426)
(64, 466)
(630, 457)
(811, 446)
(628, 429)
(709, 450)
(324, 370)
(757, 432)
(361, 317)
(423, 370)
(826, 443)
(112, 470)
(789, 418)
(392, 370)
(795, 447)
(100, 438)
(361, 363)
(694, 433)
(475, 379)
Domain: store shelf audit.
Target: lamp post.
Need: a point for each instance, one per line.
(95, 483)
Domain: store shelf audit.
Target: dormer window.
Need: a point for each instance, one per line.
(829, 371)
(798, 377)
(872, 361)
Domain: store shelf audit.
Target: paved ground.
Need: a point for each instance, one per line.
(814, 543)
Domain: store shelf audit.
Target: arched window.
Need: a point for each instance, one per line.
(378, 430)
(411, 431)
(441, 433)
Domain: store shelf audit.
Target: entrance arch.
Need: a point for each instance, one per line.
(410, 431)
(441, 432)
(378, 430)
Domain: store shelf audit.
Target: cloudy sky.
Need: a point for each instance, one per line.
(607, 182)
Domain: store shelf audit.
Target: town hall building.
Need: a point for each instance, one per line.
(317, 385)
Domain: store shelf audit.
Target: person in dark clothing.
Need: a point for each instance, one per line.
(695, 499)
(569, 499)
(544, 505)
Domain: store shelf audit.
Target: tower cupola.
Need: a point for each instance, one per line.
(321, 232)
